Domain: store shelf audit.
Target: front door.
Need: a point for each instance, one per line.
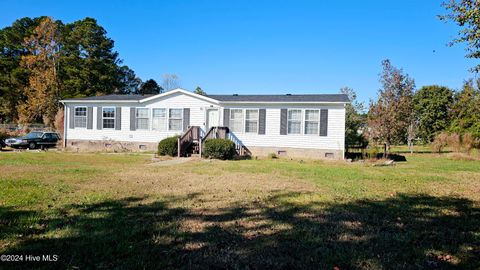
(212, 118)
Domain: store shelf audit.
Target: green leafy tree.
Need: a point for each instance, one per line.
(200, 91)
(355, 120)
(391, 115)
(431, 106)
(149, 87)
(466, 14)
(13, 77)
(465, 113)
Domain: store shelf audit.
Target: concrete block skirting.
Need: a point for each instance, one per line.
(117, 146)
(110, 146)
(297, 152)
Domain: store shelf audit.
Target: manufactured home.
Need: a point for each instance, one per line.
(311, 126)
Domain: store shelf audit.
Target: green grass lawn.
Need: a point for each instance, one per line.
(124, 211)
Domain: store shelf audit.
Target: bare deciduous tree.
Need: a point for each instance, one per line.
(412, 131)
(170, 82)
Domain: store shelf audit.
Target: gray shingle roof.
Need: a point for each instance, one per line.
(113, 97)
(282, 98)
(234, 98)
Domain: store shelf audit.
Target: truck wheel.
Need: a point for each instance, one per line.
(32, 145)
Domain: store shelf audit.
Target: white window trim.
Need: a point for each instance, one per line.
(245, 120)
(168, 121)
(148, 122)
(86, 116)
(165, 128)
(304, 113)
(301, 121)
(114, 117)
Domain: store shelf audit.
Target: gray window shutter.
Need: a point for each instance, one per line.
(89, 117)
(262, 113)
(118, 118)
(132, 118)
(323, 122)
(186, 118)
(70, 117)
(99, 118)
(283, 122)
(226, 117)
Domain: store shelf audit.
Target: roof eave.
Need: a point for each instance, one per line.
(217, 102)
(97, 101)
(285, 102)
(183, 91)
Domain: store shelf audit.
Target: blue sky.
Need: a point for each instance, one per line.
(264, 47)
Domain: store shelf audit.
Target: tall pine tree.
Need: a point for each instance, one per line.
(13, 77)
(90, 66)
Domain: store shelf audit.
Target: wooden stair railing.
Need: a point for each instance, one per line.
(192, 135)
(241, 149)
(216, 133)
(224, 133)
(209, 134)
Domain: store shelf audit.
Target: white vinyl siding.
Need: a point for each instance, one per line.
(125, 134)
(142, 118)
(294, 121)
(251, 121)
(108, 118)
(272, 138)
(236, 120)
(175, 119)
(80, 117)
(312, 122)
(159, 119)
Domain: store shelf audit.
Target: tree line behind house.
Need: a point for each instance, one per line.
(402, 114)
(43, 60)
(432, 114)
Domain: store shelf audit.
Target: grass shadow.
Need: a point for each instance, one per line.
(402, 232)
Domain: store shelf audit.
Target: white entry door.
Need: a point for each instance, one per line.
(212, 118)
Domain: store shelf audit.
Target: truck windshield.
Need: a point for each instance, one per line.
(33, 135)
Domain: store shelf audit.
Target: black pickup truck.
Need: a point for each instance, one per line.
(34, 139)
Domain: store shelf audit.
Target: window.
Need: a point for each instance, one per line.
(108, 117)
(294, 125)
(34, 135)
(80, 117)
(159, 119)
(251, 121)
(312, 119)
(236, 120)
(175, 119)
(142, 118)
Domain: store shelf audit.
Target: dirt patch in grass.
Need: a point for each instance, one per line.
(167, 161)
(463, 156)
